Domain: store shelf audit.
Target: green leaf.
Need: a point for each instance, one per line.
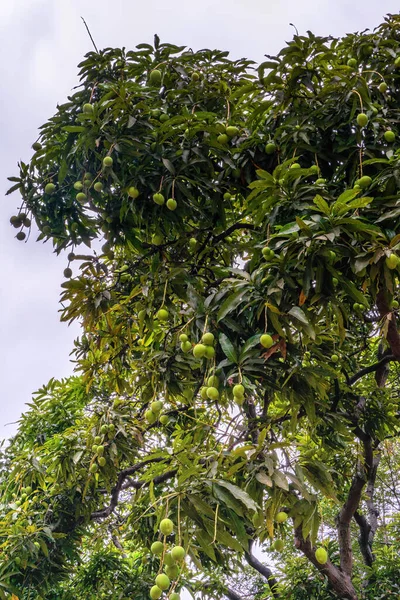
(280, 480)
(238, 493)
(228, 348)
(74, 128)
(168, 165)
(297, 313)
(322, 204)
(230, 303)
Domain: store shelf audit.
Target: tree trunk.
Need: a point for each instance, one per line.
(339, 580)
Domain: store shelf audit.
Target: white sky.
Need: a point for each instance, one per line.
(41, 42)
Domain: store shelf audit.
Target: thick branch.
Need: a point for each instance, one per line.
(392, 334)
(341, 582)
(121, 485)
(231, 229)
(350, 507)
(378, 365)
(363, 539)
(231, 594)
(264, 571)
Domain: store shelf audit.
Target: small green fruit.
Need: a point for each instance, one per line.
(395, 304)
(157, 239)
(155, 592)
(88, 109)
(232, 131)
(68, 273)
(50, 188)
(183, 337)
(150, 417)
(352, 62)
(222, 139)
(362, 120)
(207, 339)
(156, 406)
(166, 526)
(364, 182)
(389, 136)
(195, 76)
(192, 243)
(278, 545)
(162, 581)
(199, 350)
(227, 196)
(239, 399)
(102, 461)
(392, 261)
(186, 346)
(16, 221)
(158, 199)
(104, 429)
(383, 87)
(238, 389)
(155, 77)
(133, 192)
(107, 161)
(213, 381)
(212, 393)
(93, 468)
(321, 555)
(172, 572)
(157, 548)
(174, 596)
(210, 352)
(320, 181)
(36, 146)
(266, 340)
(78, 185)
(164, 419)
(397, 62)
(178, 553)
(203, 393)
(81, 197)
(162, 314)
(295, 166)
(169, 560)
(270, 148)
(172, 203)
(98, 186)
(281, 517)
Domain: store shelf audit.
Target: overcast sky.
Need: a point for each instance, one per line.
(41, 42)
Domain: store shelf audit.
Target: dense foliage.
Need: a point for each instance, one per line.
(237, 370)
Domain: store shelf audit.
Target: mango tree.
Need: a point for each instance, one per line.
(231, 234)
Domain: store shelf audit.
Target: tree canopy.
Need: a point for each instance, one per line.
(232, 234)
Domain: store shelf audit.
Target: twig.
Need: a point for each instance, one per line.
(90, 35)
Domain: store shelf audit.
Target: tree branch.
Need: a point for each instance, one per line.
(351, 505)
(232, 228)
(264, 571)
(371, 368)
(121, 485)
(231, 594)
(341, 582)
(363, 539)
